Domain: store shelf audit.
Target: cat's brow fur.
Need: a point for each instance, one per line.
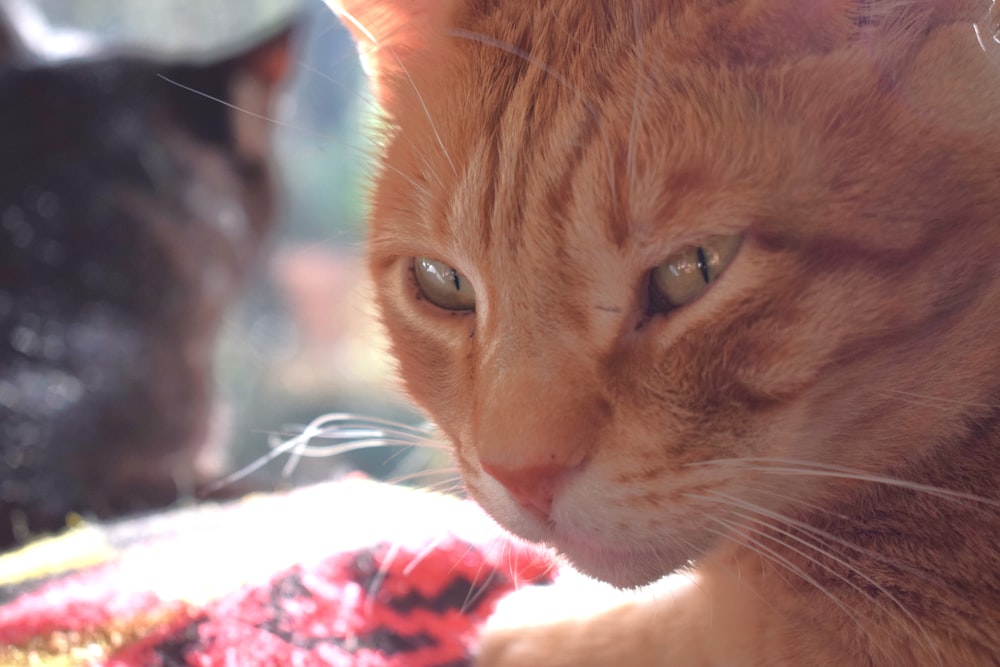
(819, 432)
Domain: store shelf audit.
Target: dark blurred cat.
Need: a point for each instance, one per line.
(130, 210)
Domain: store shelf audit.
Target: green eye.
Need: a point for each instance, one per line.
(686, 275)
(443, 285)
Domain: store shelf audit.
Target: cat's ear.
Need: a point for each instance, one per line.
(267, 60)
(392, 34)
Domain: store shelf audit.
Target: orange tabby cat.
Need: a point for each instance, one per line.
(710, 285)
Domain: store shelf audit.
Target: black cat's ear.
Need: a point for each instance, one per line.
(227, 97)
(257, 76)
(392, 35)
(267, 59)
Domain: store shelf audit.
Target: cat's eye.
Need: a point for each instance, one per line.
(686, 275)
(443, 285)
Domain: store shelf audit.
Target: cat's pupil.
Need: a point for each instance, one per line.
(703, 264)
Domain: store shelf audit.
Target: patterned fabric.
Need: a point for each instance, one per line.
(349, 573)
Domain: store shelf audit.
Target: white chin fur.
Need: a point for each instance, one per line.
(583, 530)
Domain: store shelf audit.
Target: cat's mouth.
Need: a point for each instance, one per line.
(627, 555)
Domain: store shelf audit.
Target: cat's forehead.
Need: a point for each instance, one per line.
(549, 137)
(545, 132)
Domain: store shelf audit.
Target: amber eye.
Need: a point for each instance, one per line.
(686, 275)
(443, 285)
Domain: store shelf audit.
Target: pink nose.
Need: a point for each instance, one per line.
(532, 487)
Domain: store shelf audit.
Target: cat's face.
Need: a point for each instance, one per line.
(698, 246)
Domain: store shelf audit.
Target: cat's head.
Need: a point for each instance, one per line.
(136, 193)
(645, 261)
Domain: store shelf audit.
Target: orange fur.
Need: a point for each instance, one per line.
(818, 433)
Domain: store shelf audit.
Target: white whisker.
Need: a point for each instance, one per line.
(259, 116)
(762, 488)
(819, 533)
(780, 466)
(371, 594)
(636, 97)
(929, 400)
(824, 550)
(357, 432)
(416, 91)
(326, 451)
(477, 587)
(399, 479)
(418, 558)
(760, 549)
(427, 113)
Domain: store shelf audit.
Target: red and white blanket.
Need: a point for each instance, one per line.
(346, 573)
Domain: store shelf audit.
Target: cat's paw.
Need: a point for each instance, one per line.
(512, 648)
(554, 645)
(588, 642)
(578, 622)
(563, 625)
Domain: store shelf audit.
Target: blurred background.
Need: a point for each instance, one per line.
(301, 341)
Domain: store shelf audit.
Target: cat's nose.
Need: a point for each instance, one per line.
(533, 487)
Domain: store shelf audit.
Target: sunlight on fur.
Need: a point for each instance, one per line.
(708, 288)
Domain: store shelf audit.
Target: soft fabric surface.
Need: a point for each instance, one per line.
(348, 573)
